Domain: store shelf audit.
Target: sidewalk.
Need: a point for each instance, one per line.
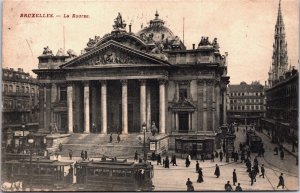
(286, 146)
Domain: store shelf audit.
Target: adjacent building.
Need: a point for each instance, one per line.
(126, 79)
(246, 103)
(20, 94)
(282, 96)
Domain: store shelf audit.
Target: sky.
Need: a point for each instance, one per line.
(244, 28)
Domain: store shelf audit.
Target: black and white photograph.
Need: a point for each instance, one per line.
(183, 95)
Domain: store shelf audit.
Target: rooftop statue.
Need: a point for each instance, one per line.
(215, 44)
(204, 41)
(47, 51)
(71, 53)
(119, 23)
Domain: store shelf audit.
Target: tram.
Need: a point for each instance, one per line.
(114, 175)
(254, 142)
(41, 172)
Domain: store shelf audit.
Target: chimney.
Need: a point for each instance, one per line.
(193, 46)
(129, 28)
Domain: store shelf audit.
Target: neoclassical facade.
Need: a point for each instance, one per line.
(123, 80)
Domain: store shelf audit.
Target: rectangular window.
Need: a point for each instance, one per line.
(17, 89)
(10, 88)
(63, 93)
(5, 88)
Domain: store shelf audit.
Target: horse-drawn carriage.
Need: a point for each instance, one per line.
(253, 141)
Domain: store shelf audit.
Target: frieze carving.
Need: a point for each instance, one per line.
(112, 57)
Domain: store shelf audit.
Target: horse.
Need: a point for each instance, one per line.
(14, 186)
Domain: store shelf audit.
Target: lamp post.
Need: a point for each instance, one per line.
(144, 127)
(30, 140)
(23, 136)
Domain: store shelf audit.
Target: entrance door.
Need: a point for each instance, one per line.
(183, 121)
(63, 122)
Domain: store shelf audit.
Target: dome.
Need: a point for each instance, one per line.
(157, 30)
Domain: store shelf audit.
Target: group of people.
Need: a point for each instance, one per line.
(84, 155)
(111, 138)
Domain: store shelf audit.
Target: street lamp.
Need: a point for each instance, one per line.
(144, 127)
(30, 140)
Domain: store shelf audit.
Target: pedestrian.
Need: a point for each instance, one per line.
(256, 169)
(255, 160)
(237, 128)
(173, 160)
(262, 151)
(110, 138)
(252, 176)
(281, 155)
(167, 162)
(202, 157)
(234, 177)
(153, 156)
(217, 171)
(221, 156)
(187, 161)
(232, 155)
(60, 147)
(262, 169)
(200, 176)
(163, 163)
(281, 181)
(158, 159)
(242, 156)
(85, 154)
(70, 154)
(82, 154)
(238, 188)
(197, 166)
(136, 156)
(248, 154)
(216, 154)
(190, 158)
(228, 187)
(118, 138)
(276, 151)
(189, 185)
(212, 157)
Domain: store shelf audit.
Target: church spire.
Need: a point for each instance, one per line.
(279, 58)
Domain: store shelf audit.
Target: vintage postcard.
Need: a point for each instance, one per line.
(150, 95)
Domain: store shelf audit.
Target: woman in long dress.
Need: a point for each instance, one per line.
(200, 176)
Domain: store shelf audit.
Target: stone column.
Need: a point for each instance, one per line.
(224, 107)
(176, 122)
(190, 121)
(204, 107)
(124, 107)
(162, 107)
(70, 106)
(104, 107)
(148, 98)
(86, 93)
(213, 106)
(218, 105)
(142, 103)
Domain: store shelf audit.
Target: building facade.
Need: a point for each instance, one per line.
(20, 94)
(281, 121)
(246, 103)
(123, 80)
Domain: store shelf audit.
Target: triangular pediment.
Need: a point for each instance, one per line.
(114, 54)
(183, 105)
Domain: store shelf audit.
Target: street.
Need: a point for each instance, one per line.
(175, 177)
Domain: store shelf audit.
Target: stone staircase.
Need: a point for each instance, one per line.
(98, 145)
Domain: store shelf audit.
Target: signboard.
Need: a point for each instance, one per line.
(152, 145)
(20, 133)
